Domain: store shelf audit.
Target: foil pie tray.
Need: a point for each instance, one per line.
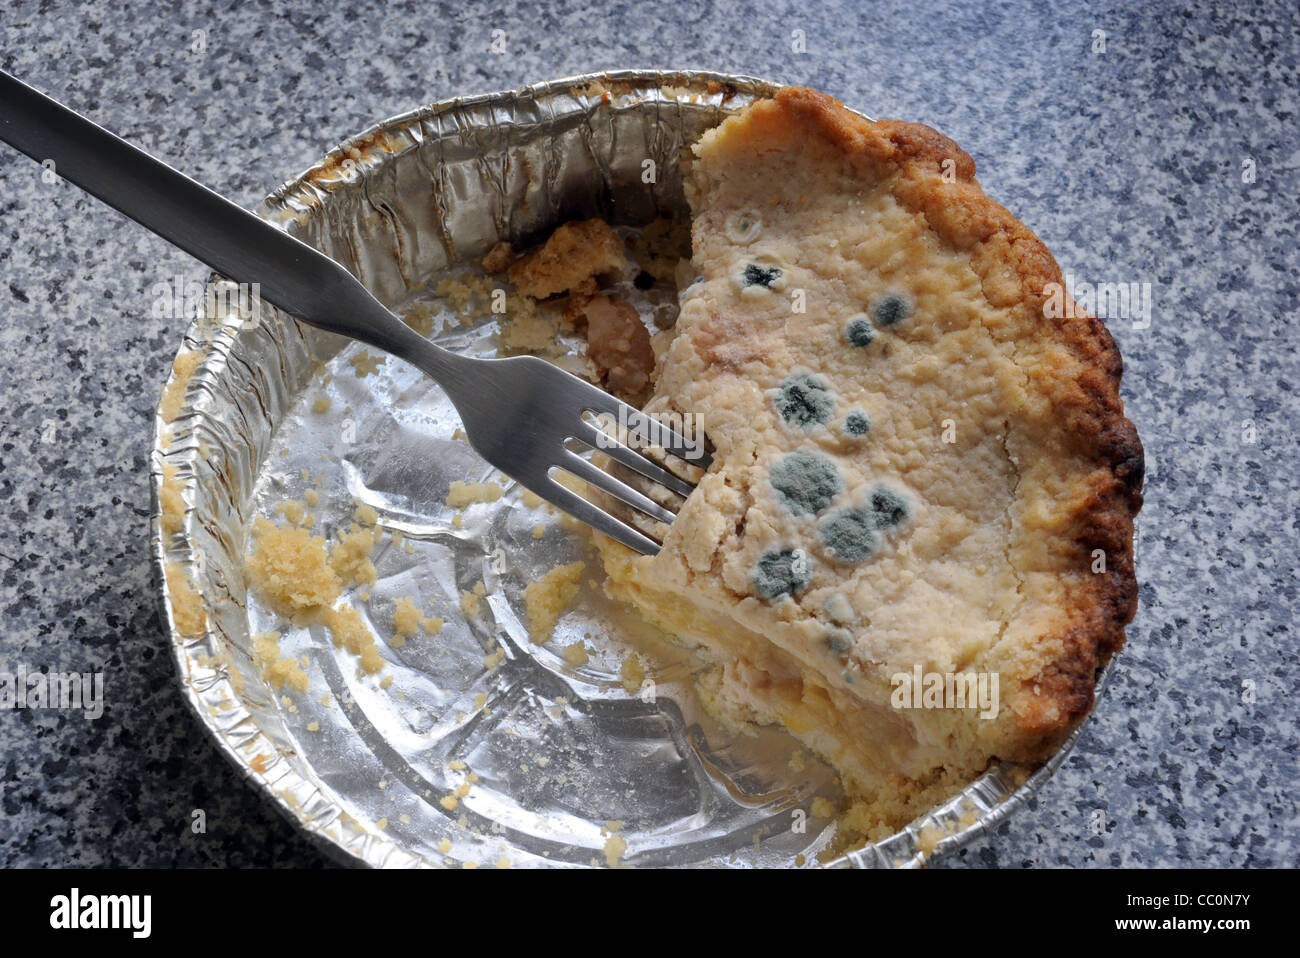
(563, 759)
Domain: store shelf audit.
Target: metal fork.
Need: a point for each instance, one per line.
(521, 414)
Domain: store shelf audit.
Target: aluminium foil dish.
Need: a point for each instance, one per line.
(565, 766)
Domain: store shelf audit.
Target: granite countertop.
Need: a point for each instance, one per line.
(1164, 156)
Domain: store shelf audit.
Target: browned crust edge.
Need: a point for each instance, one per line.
(1087, 406)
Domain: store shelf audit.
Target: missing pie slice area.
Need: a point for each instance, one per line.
(916, 471)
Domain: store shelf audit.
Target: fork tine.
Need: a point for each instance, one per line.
(670, 440)
(584, 511)
(615, 487)
(633, 459)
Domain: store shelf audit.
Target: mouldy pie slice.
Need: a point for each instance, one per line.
(914, 466)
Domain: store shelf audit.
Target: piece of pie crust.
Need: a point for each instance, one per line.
(914, 465)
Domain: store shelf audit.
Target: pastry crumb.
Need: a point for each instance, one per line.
(187, 605)
(293, 510)
(290, 569)
(420, 318)
(469, 297)
(632, 673)
(171, 501)
(174, 395)
(464, 494)
(348, 631)
(549, 597)
(470, 601)
(615, 844)
(928, 839)
(406, 618)
(277, 671)
(350, 557)
(576, 655)
(364, 364)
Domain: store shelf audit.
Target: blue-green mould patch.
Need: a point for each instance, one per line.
(888, 508)
(890, 311)
(838, 640)
(755, 274)
(852, 535)
(858, 331)
(804, 401)
(806, 482)
(783, 572)
(857, 423)
(849, 535)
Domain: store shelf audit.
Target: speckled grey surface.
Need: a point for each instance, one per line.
(1128, 162)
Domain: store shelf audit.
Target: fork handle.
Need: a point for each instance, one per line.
(237, 244)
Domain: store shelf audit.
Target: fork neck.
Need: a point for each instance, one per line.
(381, 328)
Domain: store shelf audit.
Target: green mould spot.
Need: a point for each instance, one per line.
(804, 401)
(849, 535)
(858, 332)
(838, 640)
(888, 508)
(857, 423)
(781, 573)
(806, 482)
(890, 311)
(765, 276)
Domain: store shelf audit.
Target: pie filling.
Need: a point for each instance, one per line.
(756, 681)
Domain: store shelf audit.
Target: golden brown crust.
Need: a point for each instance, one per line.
(570, 259)
(937, 179)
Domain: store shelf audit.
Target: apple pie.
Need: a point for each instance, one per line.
(917, 471)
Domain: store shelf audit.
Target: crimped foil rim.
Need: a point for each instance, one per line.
(238, 735)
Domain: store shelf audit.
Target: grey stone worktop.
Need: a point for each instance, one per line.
(1169, 158)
